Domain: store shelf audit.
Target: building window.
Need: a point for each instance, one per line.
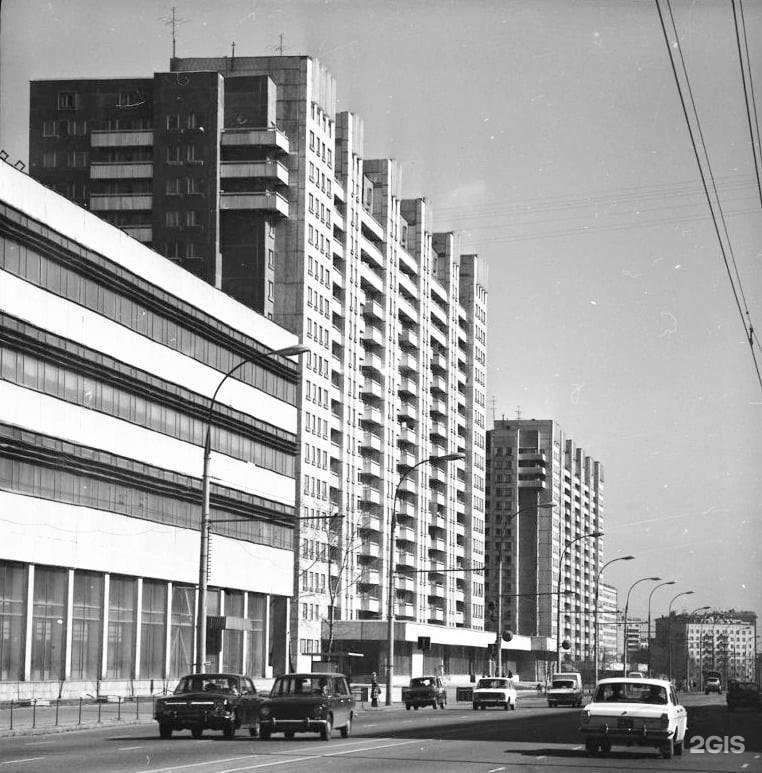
(270, 259)
(153, 629)
(191, 121)
(172, 218)
(233, 639)
(121, 627)
(76, 159)
(49, 159)
(181, 632)
(193, 184)
(67, 100)
(173, 186)
(173, 154)
(190, 155)
(192, 219)
(269, 291)
(48, 626)
(173, 121)
(12, 620)
(86, 625)
(50, 128)
(128, 98)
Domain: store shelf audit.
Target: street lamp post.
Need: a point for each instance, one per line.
(390, 578)
(669, 630)
(569, 543)
(595, 610)
(626, 608)
(203, 562)
(499, 637)
(687, 649)
(650, 595)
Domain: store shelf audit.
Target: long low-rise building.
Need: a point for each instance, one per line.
(110, 356)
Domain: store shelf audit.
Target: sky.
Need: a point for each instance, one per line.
(549, 135)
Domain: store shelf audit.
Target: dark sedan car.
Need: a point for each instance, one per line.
(209, 701)
(743, 694)
(307, 703)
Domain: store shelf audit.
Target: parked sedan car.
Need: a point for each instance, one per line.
(494, 691)
(634, 712)
(209, 701)
(712, 684)
(425, 691)
(307, 703)
(743, 694)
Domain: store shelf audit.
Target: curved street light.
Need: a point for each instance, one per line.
(595, 610)
(390, 569)
(203, 561)
(669, 629)
(499, 637)
(700, 657)
(626, 608)
(650, 595)
(569, 543)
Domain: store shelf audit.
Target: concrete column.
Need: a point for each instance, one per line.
(104, 631)
(27, 672)
(138, 624)
(68, 622)
(168, 637)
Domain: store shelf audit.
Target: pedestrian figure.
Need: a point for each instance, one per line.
(374, 691)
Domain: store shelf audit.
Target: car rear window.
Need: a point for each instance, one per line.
(422, 681)
(492, 684)
(560, 683)
(296, 684)
(624, 692)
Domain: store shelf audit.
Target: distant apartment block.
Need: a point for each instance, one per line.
(533, 463)
(608, 650)
(241, 171)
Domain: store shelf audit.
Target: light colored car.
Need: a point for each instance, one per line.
(634, 712)
(494, 691)
(712, 684)
(565, 689)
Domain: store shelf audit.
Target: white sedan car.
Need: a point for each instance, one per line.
(634, 712)
(494, 691)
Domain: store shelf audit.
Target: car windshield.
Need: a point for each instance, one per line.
(301, 684)
(207, 683)
(624, 692)
(492, 684)
(422, 681)
(563, 683)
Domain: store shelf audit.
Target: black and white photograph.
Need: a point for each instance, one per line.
(380, 386)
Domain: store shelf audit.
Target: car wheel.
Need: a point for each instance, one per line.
(407, 706)
(264, 733)
(347, 729)
(506, 705)
(165, 730)
(197, 731)
(253, 731)
(327, 730)
(551, 705)
(668, 749)
(706, 692)
(604, 747)
(229, 731)
(443, 702)
(415, 707)
(678, 748)
(288, 734)
(513, 706)
(434, 705)
(474, 706)
(591, 747)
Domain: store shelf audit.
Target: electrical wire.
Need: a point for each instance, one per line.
(748, 328)
(748, 90)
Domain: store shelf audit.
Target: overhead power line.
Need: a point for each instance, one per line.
(707, 178)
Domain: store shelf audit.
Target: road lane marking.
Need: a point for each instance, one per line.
(39, 743)
(288, 760)
(128, 748)
(196, 764)
(541, 757)
(26, 759)
(495, 770)
(577, 748)
(745, 765)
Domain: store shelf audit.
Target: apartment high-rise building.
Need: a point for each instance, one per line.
(241, 170)
(608, 650)
(532, 465)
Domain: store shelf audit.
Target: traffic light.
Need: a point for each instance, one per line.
(424, 643)
(491, 608)
(507, 635)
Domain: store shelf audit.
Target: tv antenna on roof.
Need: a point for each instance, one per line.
(175, 22)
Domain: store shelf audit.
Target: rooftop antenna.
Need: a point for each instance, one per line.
(518, 412)
(494, 409)
(232, 56)
(175, 22)
(280, 45)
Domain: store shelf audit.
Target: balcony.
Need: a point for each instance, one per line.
(369, 603)
(372, 415)
(460, 596)
(436, 566)
(403, 609)
(436, 615)
(439, 384)
(264, 201)
(437, 474)
(121, 139)
(369, 549)
(438, 545)
(407, 310)
(256, 170)
(407, 285)
(369, 440)
(121, 171)
(438, 361)
(404, 583)
(407, 435)
(437, 590)
(372, 336)
(143, 233)
(438, 521)
(371, 467)
(458, 618)
(404, 558)
(371, 278)
(405, 509)
(372, 388)
(438, 407)
(126, 202)
(405, 534)
(409, 338)
(373, 310)
(372, 253)
(408, 411)
(437, 498)
(408, 362)
(438, 429)
(370, 576)
(370, 495)
(408, 486)
(408, 386)
(438, 336)
(372, 362)
(260, 138)
(371, 522)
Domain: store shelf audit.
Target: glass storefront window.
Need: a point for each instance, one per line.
(86, 625)
(256, 635)
(153, 629)
(121, 627)
(181, 644)
(49, 624)
(12, 620)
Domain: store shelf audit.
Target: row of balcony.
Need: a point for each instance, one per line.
(403, 609)
(260, 138)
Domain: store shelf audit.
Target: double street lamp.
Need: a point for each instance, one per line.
(203, 561)
(499, 638)
(669, 629)
(569, 543)
(390, 568)
(650, 596)
(595, 610)
(626, 609)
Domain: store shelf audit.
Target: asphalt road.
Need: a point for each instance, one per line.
(533, 738)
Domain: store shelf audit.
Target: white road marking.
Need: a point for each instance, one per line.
(39, 743)
(577, 748)
(495, 770)
(541, 757)
(196, 764)
(128, 748)
(26, 759)
(745, 765)
(289, 760)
